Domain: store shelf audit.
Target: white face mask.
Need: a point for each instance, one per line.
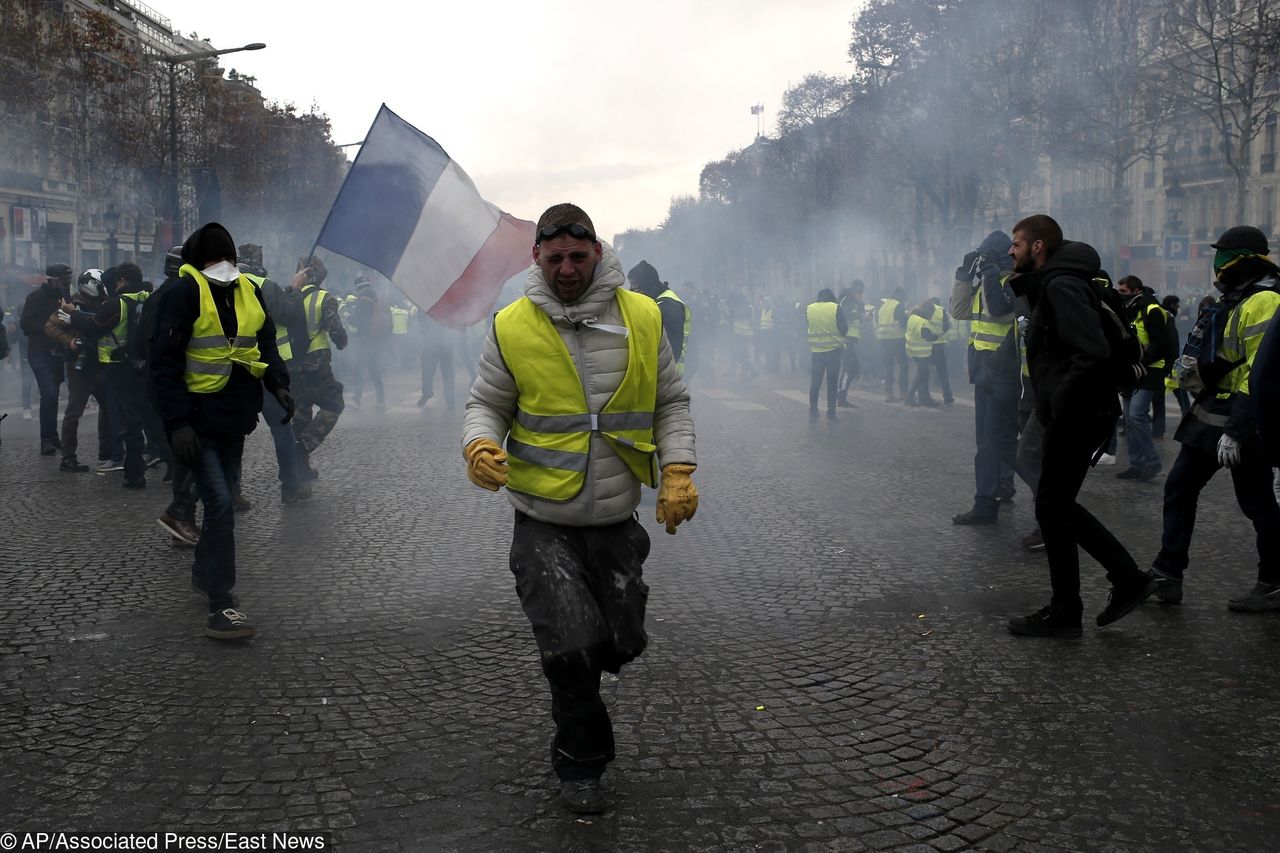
(223, 272)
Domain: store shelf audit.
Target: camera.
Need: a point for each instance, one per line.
(84, 355)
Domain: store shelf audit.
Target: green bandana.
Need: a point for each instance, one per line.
(1226, 257)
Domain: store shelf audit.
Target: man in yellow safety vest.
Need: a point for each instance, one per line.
(212, 351)
(580, 381)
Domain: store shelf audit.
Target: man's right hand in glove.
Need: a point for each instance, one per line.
(968, 268)
(186, 446)
(486, 464)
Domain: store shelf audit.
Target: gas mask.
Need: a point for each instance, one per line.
(223, 272)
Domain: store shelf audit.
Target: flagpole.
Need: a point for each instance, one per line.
(346, 177)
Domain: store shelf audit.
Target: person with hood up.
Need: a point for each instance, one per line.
(212, 351)
(982, 295)
(676, 316)
(1221, 430)
(579, 380)
(1076, 402)
(1150, 322)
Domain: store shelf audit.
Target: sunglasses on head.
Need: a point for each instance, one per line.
(574, 229)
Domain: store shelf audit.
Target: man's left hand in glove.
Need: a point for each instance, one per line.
(677, 496)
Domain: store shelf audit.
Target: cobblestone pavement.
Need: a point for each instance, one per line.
(828, 669)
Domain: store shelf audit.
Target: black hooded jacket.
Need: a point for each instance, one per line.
(1067, 351)
(232, 411)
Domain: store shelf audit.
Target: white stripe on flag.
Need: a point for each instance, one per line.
(454, 224)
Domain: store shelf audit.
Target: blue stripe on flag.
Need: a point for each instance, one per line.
(382, 198)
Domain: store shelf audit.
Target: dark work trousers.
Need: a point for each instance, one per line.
(849, 367)
(183, 505)
(939, 359)
(918, 393)
(370, 356)
(129, 389)
(81, 385)
(1030, 452)
(48, 371)
(1191, 472)
(1069, 445)
(315, 389)
(582, 589)
(217, 478)
(824, 364)
(437, 354)
(995, 414)
(893, 353)
(286, 445)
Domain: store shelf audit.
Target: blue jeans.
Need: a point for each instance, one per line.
(286, 444)
(48, 372)
(217, 477)
(995, 410)
(1137, 431)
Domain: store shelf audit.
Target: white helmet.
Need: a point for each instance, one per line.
(90, 284)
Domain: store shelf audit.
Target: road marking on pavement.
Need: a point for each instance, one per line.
(798, 396)
(730, 400)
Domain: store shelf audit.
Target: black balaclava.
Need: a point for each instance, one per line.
(645, 279)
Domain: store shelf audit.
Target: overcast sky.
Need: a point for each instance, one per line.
(613, 105)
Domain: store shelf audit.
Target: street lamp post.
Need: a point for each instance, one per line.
(111, 219)
(1174, 196)
(173, 61)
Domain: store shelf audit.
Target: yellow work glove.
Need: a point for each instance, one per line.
(677, 496)
(486, 464)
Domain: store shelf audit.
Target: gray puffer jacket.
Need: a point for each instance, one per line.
(612, 492)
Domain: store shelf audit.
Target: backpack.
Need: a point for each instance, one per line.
(1124, 365)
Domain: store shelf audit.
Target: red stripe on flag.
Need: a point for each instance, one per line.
(507, 251)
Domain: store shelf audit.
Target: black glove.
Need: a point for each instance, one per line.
(186, 446)
(285, 399)
(968, 268)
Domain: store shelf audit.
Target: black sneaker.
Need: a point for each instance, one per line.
(151, 460)
(422, 401)
(583, 796)
(228, 624)
(239, 503)
(1129, 474)
(1261, 598)
(845, 404)
(1146, 475)
(72, 466)
(1168, 590)
(1046, 622)
(974, 517)
(1121, 602)
(1033, 541)
(140, 483)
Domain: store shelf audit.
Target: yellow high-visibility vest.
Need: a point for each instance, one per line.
(548, 449)
(688, 325)
(887, 328)
(119, 336)
(937, 324)
(917, 346)
(313, 307)
(399, 321)
(210, 353)
(824, 333)
(1144, 337)
(986, 333)
(283, 344)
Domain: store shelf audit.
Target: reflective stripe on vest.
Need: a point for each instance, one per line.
(118, 337)
(986, 333)
(549, 446)
(824, 332)
(314, 310)
(283, 343)
(766, 319)
(210, 353)
(1246, 325)
(688, 324)
(917, 346)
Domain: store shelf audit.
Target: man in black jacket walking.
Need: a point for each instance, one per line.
(1149, 320)
(47, 366)
(1076, 401)
(213, 350)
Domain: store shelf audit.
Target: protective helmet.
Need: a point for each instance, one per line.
(173, 262)
(90, 284)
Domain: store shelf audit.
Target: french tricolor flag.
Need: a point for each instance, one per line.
(409, 211)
